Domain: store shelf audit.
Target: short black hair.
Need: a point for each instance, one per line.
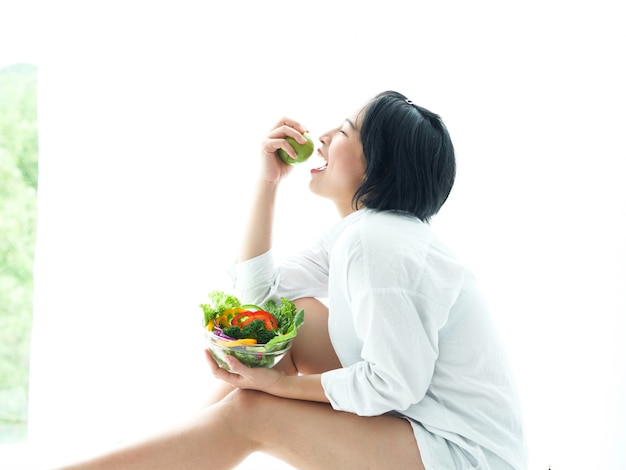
(410, 162)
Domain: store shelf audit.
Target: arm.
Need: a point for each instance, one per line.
(257, 235)
(272, 381)
(257, 240)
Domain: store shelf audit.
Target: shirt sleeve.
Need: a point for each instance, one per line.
(398, 355)
(302, 275)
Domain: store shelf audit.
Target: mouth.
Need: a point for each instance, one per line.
(324, 166)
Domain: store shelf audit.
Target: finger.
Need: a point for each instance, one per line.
(226, 376)
(235, 365)
(209, 358)
(272, 145)
(286, 131)
(288, 122)
(213, 365)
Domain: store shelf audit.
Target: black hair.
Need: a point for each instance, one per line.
(410, 163)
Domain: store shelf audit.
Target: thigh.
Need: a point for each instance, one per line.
(315, 436)
(312, 351)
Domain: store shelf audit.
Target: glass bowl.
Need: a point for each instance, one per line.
(252, 355)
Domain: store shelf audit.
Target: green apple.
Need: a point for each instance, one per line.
(304, 151)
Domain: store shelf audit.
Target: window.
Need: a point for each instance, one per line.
(18, 220)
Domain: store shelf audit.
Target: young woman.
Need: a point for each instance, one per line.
(404, 369)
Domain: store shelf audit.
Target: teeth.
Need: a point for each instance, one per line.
(324, 162)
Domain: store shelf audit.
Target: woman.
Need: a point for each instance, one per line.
(404, 369)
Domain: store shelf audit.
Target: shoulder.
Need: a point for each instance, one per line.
(396, 245)
(377, 239)
(385, 231)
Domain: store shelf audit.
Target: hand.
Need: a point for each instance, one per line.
(242, 376)
(274, 169)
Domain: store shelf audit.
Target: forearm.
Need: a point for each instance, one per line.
(271, 381)
(300, 387)
(257, 235)
(257, 238)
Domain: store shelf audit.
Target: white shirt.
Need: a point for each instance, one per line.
(411, 330)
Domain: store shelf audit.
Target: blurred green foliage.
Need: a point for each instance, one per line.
(19, 152)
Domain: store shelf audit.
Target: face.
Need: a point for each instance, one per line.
(344, 170)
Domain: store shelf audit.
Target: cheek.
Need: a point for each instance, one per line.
(356, 166)
(352, 173)
(348, 163)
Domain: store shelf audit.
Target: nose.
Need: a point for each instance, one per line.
(326, 138)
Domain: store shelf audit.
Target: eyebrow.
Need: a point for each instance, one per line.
(351, 124)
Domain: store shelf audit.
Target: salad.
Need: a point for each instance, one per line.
(252, 334)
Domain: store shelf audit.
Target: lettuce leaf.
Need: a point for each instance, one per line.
(284, 314)
(218, 302)
(289, 320)
(292, 330)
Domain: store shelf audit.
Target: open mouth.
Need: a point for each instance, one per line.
(320, 169)
(323, 167)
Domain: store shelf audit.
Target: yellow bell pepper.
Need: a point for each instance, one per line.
(225, 319)
(237, 342)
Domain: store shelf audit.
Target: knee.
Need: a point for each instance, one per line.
(312, 351)
(311, 304)
(247, 407)
(246, 411)
(239, 413)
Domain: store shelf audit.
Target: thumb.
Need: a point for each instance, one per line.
(234, 365)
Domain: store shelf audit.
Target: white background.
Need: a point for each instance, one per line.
(151, 117)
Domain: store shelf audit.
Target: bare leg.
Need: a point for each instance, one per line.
(314, 436)
(224, 434)
(312, 351)
(218, 391)
(304, 434)
(191, 445)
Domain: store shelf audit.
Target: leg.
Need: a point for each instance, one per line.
(312, 351)
(218, 391)
(191, 445)
(194, 444)
(304, 434)
(314, 436)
